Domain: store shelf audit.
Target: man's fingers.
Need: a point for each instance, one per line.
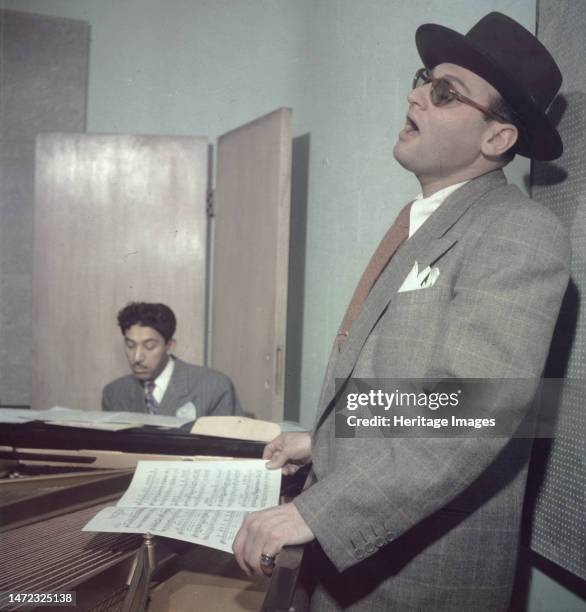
(266, 569)
(237, 548)
(243, 566)
(266, 554)
(277, 460)
(268, 451)
(265, 532)
(276, 444)
(248, 544)
(290, 469)
(245, 542)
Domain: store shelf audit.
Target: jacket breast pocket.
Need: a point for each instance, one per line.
(403, 341)
(419, 301)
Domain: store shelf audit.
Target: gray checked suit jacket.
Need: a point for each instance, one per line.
(210, 391)
(412, 524)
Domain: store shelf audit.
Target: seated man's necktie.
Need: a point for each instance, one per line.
(149, 399)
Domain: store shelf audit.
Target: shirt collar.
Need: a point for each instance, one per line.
(422, 208)
(162, 380)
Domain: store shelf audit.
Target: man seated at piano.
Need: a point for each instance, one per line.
(161, 383)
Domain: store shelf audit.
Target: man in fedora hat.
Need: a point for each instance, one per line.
(466, 284)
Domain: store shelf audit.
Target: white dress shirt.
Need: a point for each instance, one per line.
(162, 380)
(422, 208)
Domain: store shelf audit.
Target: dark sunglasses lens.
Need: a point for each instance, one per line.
(440, 92)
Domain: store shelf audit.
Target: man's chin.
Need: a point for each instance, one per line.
(401, 155)
(141, 375)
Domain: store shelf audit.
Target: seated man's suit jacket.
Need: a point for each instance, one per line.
(211, 392)
(432, 523)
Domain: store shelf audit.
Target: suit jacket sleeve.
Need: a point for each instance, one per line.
(498, 324)
(107, 404)
(226, 401)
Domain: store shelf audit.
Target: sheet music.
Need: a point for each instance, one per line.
(90, 419)
(94, 426)
(203, 502)
(142, 418)
(63, 414)
(18, 415)
(205, 527)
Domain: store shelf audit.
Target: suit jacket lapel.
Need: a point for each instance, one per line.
(135, 395)
(426, 246)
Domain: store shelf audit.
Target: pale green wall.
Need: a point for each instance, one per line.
(195, 67)
(546, 595)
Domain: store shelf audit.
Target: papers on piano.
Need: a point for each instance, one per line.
(90, 419)
(203, 502)
(18, 415)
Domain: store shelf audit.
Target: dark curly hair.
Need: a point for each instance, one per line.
(158, 316)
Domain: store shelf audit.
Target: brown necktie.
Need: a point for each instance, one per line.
(392, 240)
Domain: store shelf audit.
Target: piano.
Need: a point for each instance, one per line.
(54, 479)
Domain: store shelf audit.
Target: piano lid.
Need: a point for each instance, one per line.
(139, 440)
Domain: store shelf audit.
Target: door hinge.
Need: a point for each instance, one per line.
(210, 212)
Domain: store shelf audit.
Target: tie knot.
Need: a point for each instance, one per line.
(150, 386)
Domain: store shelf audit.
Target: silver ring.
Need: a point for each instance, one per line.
(267, 560)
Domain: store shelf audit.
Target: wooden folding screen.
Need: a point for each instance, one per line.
(252, 209)
(117, 219)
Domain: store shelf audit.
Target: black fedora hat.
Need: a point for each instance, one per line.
(514, 62)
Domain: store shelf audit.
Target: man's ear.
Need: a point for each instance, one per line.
(498, 139)
(170, 346)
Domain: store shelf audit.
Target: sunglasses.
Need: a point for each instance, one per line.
(442, 93)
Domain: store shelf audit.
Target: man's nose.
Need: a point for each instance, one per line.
(419, 96)
(138, 355)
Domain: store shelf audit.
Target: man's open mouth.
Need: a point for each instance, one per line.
(410, 125)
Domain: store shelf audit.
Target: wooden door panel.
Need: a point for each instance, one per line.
(117, 219)
(251, 249)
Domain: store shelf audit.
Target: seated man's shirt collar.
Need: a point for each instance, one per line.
(163, 379)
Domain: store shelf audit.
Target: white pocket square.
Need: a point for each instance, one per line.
(419, 280)
(187, 411)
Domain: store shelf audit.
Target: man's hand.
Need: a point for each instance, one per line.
(289, 451)
(266, 532)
